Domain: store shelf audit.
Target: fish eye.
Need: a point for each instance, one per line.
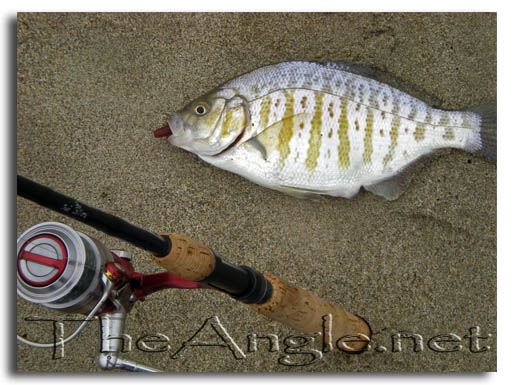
(200, 108)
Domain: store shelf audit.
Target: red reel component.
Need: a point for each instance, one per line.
(122, 271)
(42, 260)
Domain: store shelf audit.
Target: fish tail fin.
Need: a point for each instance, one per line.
(487, 148)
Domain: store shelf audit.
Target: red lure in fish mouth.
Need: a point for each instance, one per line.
(163, 132)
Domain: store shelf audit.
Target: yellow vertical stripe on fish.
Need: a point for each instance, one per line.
(368, 137)
(419, 133)
(227, 123)
(265, 111)
(315, 138)
(395, 127)
(286, 129)
(343, 148)
(233, 121)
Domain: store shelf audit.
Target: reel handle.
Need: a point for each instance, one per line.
(288, 304)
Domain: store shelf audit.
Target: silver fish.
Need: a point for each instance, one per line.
(323, 129)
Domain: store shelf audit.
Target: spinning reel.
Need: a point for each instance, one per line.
(66, 270)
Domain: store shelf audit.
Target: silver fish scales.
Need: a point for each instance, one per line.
(323, 129)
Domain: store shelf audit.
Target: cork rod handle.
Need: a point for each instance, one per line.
(288, 304)
(188, 258)
(307, 313)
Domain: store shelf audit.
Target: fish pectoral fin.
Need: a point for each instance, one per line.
(254, 142)
(268, 139)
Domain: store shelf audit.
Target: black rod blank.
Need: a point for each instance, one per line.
(109, 224)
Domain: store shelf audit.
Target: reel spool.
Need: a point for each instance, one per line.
(63, 269)
(60, 268)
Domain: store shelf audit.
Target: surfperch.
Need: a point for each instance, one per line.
(323, 129)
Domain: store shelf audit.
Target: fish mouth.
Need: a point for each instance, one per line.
(163, 132)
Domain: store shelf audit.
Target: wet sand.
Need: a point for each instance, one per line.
(91, 88)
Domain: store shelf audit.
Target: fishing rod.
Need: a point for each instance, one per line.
(66, 270)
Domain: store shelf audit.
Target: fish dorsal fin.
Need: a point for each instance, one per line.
(386, 78)
(356, 69)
